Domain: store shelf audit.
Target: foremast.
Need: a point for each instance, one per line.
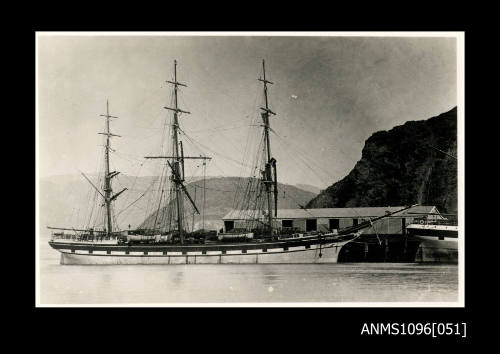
(108, 191)
(269, 178)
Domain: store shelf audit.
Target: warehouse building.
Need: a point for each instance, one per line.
(331, 219)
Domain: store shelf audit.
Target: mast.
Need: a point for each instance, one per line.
(108, 198)
(176, 161)
(107, 180)
(267, 177)
(177, 165)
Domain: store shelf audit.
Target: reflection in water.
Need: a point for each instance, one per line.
(271, 279)
(177, 279)
(105, 281)
(372, 282)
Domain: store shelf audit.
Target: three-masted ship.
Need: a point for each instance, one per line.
(175, 244)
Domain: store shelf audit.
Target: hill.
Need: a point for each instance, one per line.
(400, 167)
(309, 188)
(220, 194)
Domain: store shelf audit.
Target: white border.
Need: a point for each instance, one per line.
(259, 34)
(271, 304)
(461, 164)
(460, 51)
(37, 179)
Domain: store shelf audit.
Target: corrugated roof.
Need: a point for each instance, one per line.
(358, 212)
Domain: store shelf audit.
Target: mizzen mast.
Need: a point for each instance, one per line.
(267, 176)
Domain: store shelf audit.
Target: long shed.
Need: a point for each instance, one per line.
(328, 219)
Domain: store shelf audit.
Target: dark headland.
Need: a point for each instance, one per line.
(402, 166)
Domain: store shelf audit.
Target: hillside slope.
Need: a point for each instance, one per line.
(220, 194)
(399, 167)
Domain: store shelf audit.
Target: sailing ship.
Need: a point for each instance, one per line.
(260, 242)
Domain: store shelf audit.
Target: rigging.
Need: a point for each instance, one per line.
(177, 159)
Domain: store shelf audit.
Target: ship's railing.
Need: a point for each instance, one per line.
(449, 221)
(62, 236)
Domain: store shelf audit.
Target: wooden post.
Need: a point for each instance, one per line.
(204, 195)
(386, 249)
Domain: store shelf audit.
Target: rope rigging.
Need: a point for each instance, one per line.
(250, 193)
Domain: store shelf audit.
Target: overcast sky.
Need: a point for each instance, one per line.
(330, 94)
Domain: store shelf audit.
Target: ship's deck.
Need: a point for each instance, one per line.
(215, 246)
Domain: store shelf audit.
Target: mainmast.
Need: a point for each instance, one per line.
(108, 198)
(267, 176)
(177, 165)
(176, 175)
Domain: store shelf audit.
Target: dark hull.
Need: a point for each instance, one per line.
(434, 233)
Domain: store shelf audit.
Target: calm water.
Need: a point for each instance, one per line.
(370, 282)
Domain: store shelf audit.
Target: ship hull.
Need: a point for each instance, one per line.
(280, 254)
(433, 249)
(437, 243)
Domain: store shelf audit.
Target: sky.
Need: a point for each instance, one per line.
(330, 94)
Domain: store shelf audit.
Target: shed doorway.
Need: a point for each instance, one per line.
(311, 225)
(334, 224)
(229, 225)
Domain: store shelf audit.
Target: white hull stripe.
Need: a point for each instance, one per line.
(193, 254)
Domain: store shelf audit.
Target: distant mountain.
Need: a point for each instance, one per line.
(400, 167)
(65, 201)
(220, 194)
(309, 188)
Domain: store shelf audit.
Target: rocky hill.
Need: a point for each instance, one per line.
(400, 167)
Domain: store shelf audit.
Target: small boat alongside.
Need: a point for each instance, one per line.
(437, 237)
